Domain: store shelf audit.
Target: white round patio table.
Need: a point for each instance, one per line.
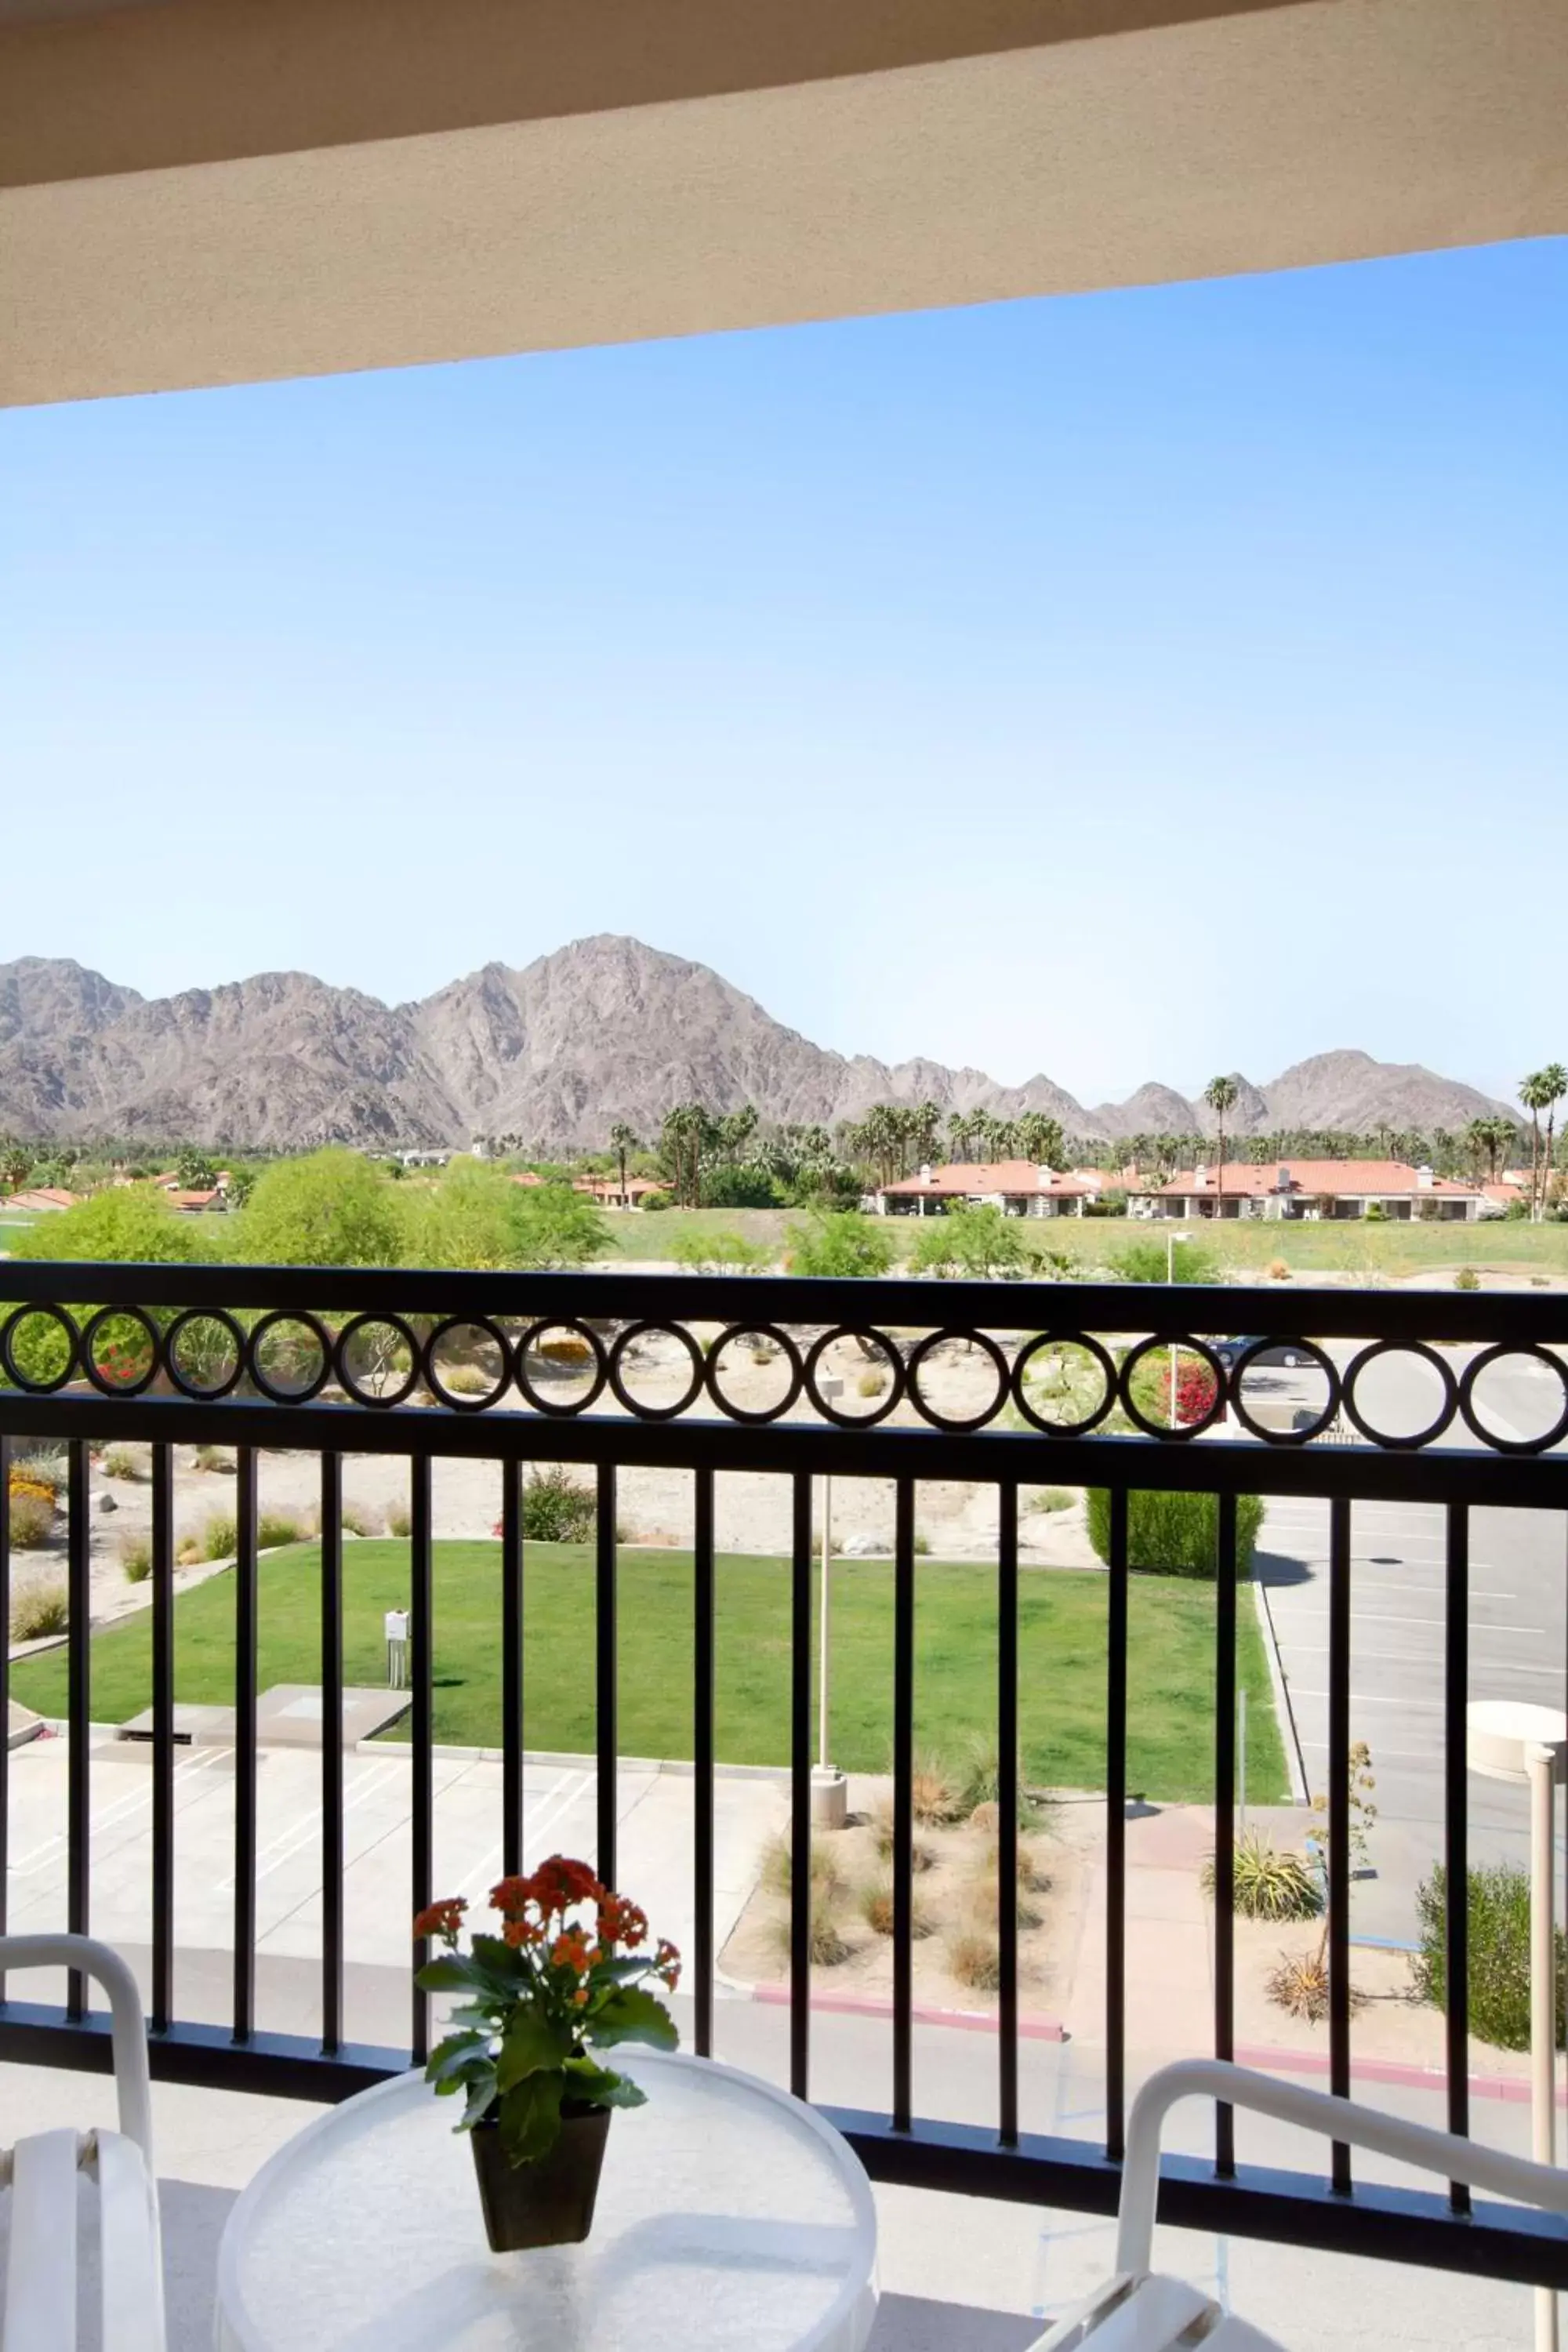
(729, 2216)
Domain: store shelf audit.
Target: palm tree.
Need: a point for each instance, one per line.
(1535, 1093)
(928, 1130)
(1220, 1095)
(622, 1140)
(1554, 1085)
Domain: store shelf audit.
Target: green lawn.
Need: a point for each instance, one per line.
(1062, 1636)
(1245, 1247)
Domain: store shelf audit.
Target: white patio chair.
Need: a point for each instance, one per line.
(1139, 2311)
(41, 2173)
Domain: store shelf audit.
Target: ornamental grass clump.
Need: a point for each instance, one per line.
(1269, 1882)
(565, 1975)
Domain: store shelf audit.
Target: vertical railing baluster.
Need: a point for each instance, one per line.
(1116, 1833)
(903, 1800)
(512, 1667)
(1339, 1821)
(245, 1747)
(1456, 1830)
(1007, 1809)
(163, 1737)
(800, 1887)
(1225, 1822)
(606, 1680)
(421, 1684)
(333, 1863)
(702, 1754)
(79, 1710)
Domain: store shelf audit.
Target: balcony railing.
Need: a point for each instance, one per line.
(553, 1369)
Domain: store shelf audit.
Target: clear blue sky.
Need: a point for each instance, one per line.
(1121, 687)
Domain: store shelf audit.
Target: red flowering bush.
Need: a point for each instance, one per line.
(566, 1974)
(1196, 1391)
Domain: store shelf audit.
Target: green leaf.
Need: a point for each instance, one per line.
(530, 2045)
(600, 2088)
(633, 2015)
(501, 1958)
(452, 2061)
(623, 1971)
(530, 2117)
(451, 1973)
(481, 2099)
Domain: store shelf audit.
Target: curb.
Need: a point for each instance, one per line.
(1289, 1737)
(1393, 2071)
(965, 2020)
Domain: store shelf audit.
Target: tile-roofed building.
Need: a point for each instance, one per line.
(1307, 1189)
(1018, 1186)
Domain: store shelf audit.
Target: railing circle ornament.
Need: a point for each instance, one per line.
(1306, 1350)
(1183, 1430)
(752, 1415)
(1418, 1438)
(457, 1400)
(1060, 1339)
(639, 1406)
(189, 1320)
(1476, 1423)
(13, 1372)
(589, 1344)
(956, 1424)
(281, 1319)
(104, 1379)
(898, 1379)
(378, 1400)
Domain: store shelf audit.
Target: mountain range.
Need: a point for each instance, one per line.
(604, 1029)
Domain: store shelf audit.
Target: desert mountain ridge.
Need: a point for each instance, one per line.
(604, 1029)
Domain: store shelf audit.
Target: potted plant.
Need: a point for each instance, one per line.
(564, 1977)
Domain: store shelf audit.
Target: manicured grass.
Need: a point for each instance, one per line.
(1062, 1659)
(1246, 1249)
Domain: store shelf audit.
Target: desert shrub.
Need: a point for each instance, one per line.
(1499, 1929)
(39, 1609)
(555, 1507)
(398, 1522)
(44, 1473)
(358, 1522)
(778, 1867)
(136, 1558)
(985, 1901)
(1145, 1261)
(655, 1200)
(880, 1823)
(1298, 1984)
(275, 1528)
(871, 1384)
(1271, 1883)
(988, 1863)
(824, 1940)
(1050, 1498)
(975, 1958)
(1467, 1279)
(932, 1789)
(218, 1539)
(920, 1545)
(32, 1520)
(876, 1905)
(466, 1380)
(1278, 1270)
(215, 1458)
(1177, 1535)
(121, 1463)
(977, 1784)
(188, 1553)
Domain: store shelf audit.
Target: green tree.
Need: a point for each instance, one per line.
(128, 1227)
(980, 1243)
(196, 1171)
(1041, 1140)
(623, 1139)
(721, 1253)
(16, 1166)
(1535, 1094)
(331, 1208)
(841, 1243)
(1145, 1261)
(1220, 1095)
(555, 1228)
(1554, 1081)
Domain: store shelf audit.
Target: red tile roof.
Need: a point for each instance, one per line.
(1381, 1177)
(44, 1196)
(961, 1177)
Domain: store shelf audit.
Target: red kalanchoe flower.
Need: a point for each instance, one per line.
(558, 1882)
(570, 1950)
(511, 1895)
(442, 1919)
(621, 1922)
(667, 1964)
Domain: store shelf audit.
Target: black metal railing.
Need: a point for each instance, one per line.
(369, 1362)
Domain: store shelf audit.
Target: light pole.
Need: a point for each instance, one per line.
(1171, 1243)
(829, 1790)
(1509, 1739)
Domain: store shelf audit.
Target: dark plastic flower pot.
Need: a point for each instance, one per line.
(550, 2202)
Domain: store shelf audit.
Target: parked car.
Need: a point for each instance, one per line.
(1282, 1351)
